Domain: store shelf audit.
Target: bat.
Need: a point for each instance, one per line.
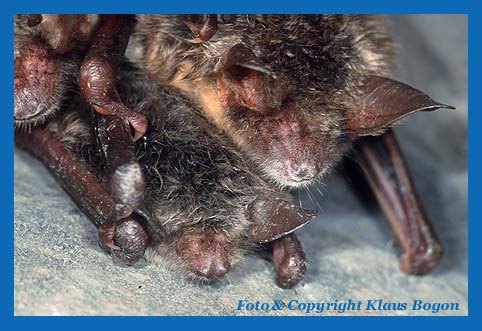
(295, 93)
(203, 207)
(57, 56)
(53, 52)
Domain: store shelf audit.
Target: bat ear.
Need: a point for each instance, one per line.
(273, 219)
(385, 101)
(243, 80)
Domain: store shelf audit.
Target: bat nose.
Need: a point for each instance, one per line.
(206, 254)
(214, 262)
(214, 268)
(304, 172)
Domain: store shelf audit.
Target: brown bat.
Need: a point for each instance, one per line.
(52, 52)
(55, 52)
(204, 206)
(294, 93)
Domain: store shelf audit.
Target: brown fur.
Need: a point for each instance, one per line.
(200, 190)
(296, 128)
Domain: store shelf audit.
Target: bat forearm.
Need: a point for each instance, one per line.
(128, 237)
(81, 184)
(123, 172)
(384, 166)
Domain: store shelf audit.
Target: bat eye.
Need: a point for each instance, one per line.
(34, 20)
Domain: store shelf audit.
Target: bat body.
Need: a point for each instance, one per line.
(294, 92)
(251, 105)
(207, 205)
(204, 205)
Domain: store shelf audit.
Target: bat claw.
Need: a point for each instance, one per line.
(106, 236)
(110, 246)
(137, 121)
(421, 262)
(139, 130)
(209, 28)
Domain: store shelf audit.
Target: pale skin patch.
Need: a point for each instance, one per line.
(206, 95)
(371, 57)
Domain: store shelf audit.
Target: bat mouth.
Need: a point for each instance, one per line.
(34, 116)
(302, 176)
(287, 179)
(297, 183)
(300, 173)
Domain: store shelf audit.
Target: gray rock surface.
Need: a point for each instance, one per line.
(60, 269)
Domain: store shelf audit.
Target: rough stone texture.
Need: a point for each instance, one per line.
(60, 269)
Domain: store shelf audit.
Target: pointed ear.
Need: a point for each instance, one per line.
(243, 80)
(385, 101)
(273, 219)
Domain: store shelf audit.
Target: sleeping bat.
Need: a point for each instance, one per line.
(295, 93)
(204, 206)
(53, 52)
(57, 56)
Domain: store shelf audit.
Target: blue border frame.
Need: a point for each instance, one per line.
(8, 8)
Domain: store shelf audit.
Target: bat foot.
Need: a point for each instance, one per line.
(126, 240)
(422, 261)
(97, 78)
(289, 261)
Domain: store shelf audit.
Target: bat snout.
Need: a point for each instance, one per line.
(35, 82)
(302, 173)
(206, 254)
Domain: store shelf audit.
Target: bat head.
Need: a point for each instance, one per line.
(293, 91)
(296, 134)
(47, 56)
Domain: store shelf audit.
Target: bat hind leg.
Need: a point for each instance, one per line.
(384, 166)
(130, 240)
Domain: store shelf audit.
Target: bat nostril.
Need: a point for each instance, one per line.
(304, 172)
(214, 267)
